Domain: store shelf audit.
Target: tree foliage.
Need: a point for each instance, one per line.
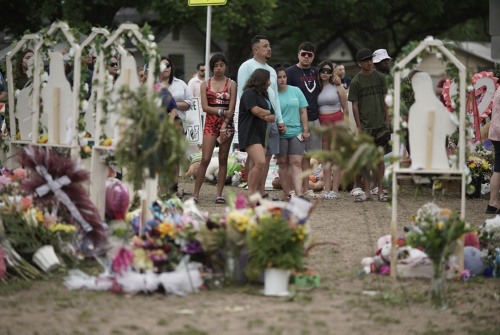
(388, 24)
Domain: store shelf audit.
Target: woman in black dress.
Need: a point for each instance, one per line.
(254, 114)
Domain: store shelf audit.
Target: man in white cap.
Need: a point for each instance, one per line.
(381, 61)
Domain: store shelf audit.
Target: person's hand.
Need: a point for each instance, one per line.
(281, 128)
(229, 114)
(336, 81)
(306, 135)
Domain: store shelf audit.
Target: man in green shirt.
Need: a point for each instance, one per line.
(367, 94)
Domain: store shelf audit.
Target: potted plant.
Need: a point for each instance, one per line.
(276, 245)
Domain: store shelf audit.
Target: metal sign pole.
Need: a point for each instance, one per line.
(207, 42)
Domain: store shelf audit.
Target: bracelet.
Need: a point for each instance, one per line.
(224, 112)
(218, 112)
(223, 130)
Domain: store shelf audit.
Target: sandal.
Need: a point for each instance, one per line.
(357, 191)
(362, 198)
(195, 198)
(311, 195)
(330, 195)
(383, 198)
(220, 200)
(375, 191)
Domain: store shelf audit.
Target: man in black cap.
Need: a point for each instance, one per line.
(367, 94)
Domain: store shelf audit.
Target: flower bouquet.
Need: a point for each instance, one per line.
(489, 237)
(434, 230)
(480, 165)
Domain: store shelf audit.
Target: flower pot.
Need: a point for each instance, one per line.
(437, 289)
(276, 282)
(46, 259)
(477, 182)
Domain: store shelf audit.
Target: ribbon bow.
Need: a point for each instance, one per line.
(56, 187)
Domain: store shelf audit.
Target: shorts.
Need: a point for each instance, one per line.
(496, 166)
(314, 141)
(329, 119)
(381, 137)
(273, 144)
(291, 146)
(213, 124)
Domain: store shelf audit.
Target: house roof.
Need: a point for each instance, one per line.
(478, 49)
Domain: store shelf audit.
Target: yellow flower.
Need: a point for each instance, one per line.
(39, 216)
(62, 227)
(44, 139)
(18, 136)
(440, 225)
(485, 166)
(472, 165)
(165, 229)
(238, 221)
(107, 142)
(87, 149)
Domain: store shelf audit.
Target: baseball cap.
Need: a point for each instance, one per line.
(379, 55)
(364, 54)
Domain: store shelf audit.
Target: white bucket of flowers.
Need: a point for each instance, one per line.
(46, 259)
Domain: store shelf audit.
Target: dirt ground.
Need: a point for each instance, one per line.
(338, 306)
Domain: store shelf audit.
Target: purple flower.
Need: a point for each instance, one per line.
(240, 202)
(193, 247)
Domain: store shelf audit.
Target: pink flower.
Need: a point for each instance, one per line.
(240, 202)
(157, 87)
(26, 202)
(4, 181)
(20, 173)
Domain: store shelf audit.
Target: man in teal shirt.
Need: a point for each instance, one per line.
(261, 53)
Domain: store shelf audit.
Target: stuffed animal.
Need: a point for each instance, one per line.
(471, 240)
(382, 258)
(212, 169)
(193, 170)
(236, 178)
(473, 261)
(277, 183)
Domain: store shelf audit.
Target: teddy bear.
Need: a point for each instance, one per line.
(382, 256)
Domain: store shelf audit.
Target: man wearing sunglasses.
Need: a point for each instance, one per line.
(195, 83)
(304, 76)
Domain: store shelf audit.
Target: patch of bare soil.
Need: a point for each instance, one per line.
(338, 306)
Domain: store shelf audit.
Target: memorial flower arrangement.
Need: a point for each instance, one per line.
(489, 237)
(479, 167)
(434, 230)
(278, 236)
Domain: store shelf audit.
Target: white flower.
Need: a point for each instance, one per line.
(152, 45)
(86, 87)
(71, 53)
(30, 217)
(470, 88)
(404, 125)
(83, 142)
(419, 60)
(44, 77)
(439, 55)
(162, 67)
(85, 105)
(17, 93)
(405, 73)
(388, 100)
(151, 37)
(129, 34)
(492, 223)
(429, 38)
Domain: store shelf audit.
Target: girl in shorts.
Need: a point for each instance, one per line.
(332, 101)
(218, 99)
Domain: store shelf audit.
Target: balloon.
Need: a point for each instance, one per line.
(117, 199)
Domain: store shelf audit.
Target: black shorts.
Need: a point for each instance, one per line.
(381, 137)
(496, 167)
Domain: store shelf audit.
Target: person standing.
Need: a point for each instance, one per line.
(181, 93)
(255, 112)
(195, 83)
(367, 94)
(303, 76)
(381, 61)
(218, 98)
(261, 49)
(494, 137)
(346, 81)
(292, 143)
(332, 103)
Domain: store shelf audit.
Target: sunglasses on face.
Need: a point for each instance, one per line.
(326, 70)
(113, 64)
(201, 70)
(94, 58)
(306, 54)
(168, 66)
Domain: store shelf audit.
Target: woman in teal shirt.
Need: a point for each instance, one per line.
(294, 112)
